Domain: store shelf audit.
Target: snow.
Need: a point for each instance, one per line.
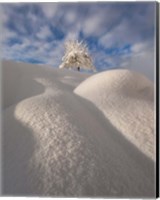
(57, 142)
(127, 99)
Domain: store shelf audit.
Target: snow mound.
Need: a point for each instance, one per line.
(56, 143)
(127, 99)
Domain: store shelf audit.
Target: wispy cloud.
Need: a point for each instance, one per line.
(49, 9)
(117, 34)
(44, 32)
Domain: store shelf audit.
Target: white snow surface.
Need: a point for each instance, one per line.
(58, 143)
(127, 99)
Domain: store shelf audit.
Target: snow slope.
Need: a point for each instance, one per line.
(127, 99)
(56, 143)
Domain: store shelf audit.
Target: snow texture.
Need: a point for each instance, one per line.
(56, 143)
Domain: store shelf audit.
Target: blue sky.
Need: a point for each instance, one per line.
(118, 35)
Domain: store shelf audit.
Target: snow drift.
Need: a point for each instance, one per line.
(56, 143)
(127, 99)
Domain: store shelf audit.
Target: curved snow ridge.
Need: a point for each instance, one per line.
(62, 155)
(127, 99)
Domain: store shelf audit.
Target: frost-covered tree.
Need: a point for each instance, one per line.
(77, 56)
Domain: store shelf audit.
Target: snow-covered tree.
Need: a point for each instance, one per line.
(77, 56)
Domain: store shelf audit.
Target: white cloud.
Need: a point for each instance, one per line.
(33, 18)
(44, 32)
(92, 25)
(71, 17)
(6, 34)
(141, 59)
(120, 34)
(25, 43)
(72, 35)
(3, 15)
(107, 40)
(99, 19)
(140, 47)
(49, 9)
